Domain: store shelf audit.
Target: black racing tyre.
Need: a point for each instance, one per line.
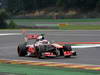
(69, 56)
(75, 54)
(22, 51)
(67, 47)
(40, 56)
(41, 50)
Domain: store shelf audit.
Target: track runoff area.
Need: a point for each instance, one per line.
(17, 67)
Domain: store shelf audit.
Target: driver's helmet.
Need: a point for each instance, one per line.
(45, 42)
(41, 37)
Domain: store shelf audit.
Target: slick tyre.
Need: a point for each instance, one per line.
(67, 47)
(40, 52)
(22, 51)
(40, 56)
(68, 56)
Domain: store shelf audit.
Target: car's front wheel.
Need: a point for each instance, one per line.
(40, 49)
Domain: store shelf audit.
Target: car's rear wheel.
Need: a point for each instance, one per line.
(22, 51)
(69, 56)
(67, 47)
(75, 54)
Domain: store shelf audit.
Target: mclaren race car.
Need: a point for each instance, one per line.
(42, 48)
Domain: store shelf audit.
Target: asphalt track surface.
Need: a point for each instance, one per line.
(9, 43)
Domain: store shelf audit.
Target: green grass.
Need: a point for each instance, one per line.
(58, 20)
(81, 27)
(69, 27)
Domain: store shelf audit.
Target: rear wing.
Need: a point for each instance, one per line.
(28, 36)
(32, 36)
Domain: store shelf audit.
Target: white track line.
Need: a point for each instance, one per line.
(5, 34)
(87, 46)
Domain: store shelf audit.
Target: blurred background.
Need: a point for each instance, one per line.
(47, 9)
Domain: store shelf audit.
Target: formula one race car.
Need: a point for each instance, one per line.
(42, 48)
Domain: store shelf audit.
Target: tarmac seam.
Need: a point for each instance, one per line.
(51, 64)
